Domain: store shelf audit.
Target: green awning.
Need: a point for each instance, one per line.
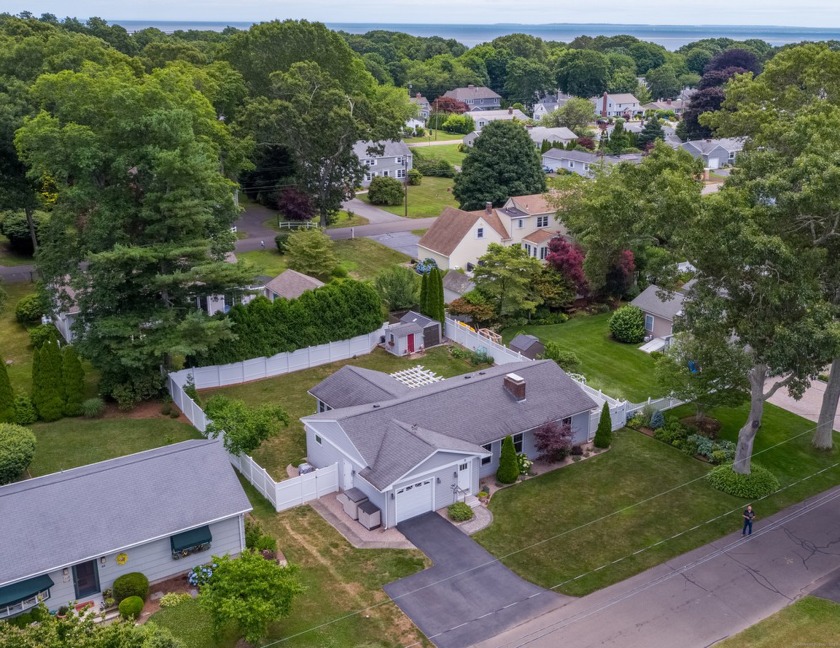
(24, 589)
(191, 538)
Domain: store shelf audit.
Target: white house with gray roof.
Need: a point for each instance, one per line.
(476, 97)
(389, 159)
(414, 450)
(538, 135)
(582, 162)
(67, 536)
(549, 104)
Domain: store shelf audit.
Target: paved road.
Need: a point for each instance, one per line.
(808, 406)
(706, 595)
(372, 213)
(436, 601)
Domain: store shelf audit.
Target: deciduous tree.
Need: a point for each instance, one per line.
(505, 277)
(583, 73)
(398, 288)
(553, 440)
(576, 114)
(243, 428)
(311, 252)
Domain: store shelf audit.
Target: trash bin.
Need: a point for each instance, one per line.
(369, 515)
(350, 500)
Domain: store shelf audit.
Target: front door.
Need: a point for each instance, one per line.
(348, 474)
(86, 579)
(464, 476)
(411, 342)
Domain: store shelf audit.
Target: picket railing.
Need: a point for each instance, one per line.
(289, 492)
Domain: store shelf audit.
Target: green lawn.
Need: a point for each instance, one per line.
(362, 258)
(440, 136)
(9, 257)
(810, 621)
(429, 198)
(621, 370)
(339, 580)
(570, 503)
(290, 391)
(14, 340)
(342, 219)
(448, 152)
(74, 442)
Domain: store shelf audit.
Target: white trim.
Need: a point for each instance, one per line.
(96, 556)
(395, 484)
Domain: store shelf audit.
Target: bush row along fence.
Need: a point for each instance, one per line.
(291, 492)
(620, 410)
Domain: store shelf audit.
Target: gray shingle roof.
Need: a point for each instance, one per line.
(67, 517)
(421, 320)
(706, 146)
(540, 133)
(523, 342)
(650, 302)
(472, 92)
(351, 386)
(457, 282)
(391, 149)
(474, 408)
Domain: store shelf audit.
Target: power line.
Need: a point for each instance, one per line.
(541, 542)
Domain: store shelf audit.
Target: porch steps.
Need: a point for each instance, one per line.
(472, 501)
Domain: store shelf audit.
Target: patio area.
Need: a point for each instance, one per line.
(329, 508)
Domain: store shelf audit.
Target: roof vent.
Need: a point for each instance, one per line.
(481, 373)
(375, 406)
(515, 386)
(467, 377)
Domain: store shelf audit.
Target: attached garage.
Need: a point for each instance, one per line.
(414, 499)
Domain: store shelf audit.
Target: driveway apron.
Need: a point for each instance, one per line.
(467, 595)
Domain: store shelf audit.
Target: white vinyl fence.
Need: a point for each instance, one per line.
(466, 337)
(290, 492)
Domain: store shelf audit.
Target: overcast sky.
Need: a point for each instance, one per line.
(809, 13)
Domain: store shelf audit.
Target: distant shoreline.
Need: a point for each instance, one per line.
(669, 36)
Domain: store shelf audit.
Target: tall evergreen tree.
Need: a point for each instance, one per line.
(603, 435)
(424, 294)
(434, 298)
(7, 396)
(48, 396)
(508, 471)
(73, 376)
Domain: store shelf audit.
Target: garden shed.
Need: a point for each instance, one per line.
(414, 332)
(528, 345)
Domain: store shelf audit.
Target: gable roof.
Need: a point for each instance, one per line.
(471, 92)
(391, 148)
(351, 386)
(68, 517)
(619, 97)
(453, 224)
(650, 302)
(539, 134)
(291, 284)
(474, 408)
(416, 318)
(524, 341)
(496, 115)
(731, 144)
(530, 205)
(540, 236)
(591, 158)
(457, 282)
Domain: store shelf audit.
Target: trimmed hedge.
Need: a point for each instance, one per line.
(628, 325)
(30, 308)
(385, 191)
(340, 310)
(759, 483)
(17, 449)
(460, 512)
(508, 471)
(131, 607)
(131, 584)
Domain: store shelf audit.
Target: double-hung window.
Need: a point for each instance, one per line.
(517, 442)
(479, 233)
(487, 460)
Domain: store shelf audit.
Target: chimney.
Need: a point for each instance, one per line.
(419, 95)
(515, 386)
(510, 110)
(488, 208)
(604, 109)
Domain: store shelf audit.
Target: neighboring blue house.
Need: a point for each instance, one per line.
(67, 536)
(414, 450)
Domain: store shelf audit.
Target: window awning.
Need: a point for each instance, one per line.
(24, 589)
(191, 538)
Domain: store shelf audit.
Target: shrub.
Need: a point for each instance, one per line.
(672, 432)
(93, 407)
(30, 308)
(434, 168)
(460, 512)
(41, 334)
(131, 584)
(628, 325)
(131, 607)
(508, 471)
(425, 266)
(636, 421)
(603, 435)
(266, 543)
(173, 599)
(24, 410)
(759, 483)
(415, 177)
(524, 463)
(38, 613)
(553, 440)
(398, 288)
(253, 531)
(567, 360)
(17, 449)
(7, 396)
(657, 420)
(200, 575)
(282, 240)
(385, 191)
(715, 452)
(548, 318)
(576, 451)
(74, 381)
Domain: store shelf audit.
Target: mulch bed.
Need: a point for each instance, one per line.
(708, 426)
(176, 584)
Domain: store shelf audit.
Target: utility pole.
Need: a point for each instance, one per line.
(405, 180)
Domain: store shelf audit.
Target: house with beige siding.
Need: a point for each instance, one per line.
(457, 239)
(661, 308)
(67, 536)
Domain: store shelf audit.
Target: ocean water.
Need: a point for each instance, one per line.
(669, 36)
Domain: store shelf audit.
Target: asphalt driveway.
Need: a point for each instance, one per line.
(466, 596)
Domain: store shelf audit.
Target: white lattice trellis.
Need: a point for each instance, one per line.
(416, 377)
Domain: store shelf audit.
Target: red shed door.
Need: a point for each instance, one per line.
(411, 342)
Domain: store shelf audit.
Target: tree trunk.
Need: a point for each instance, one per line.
(823, 437)
(746, 435)
(30, 220)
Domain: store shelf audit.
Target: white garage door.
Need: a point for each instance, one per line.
(414, 499)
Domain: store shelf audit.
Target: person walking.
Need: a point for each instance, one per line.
(749, 516)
